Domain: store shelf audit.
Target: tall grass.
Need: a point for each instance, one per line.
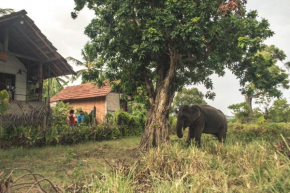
(247, 162)
(254, 158)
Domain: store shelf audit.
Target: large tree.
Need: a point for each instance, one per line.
(166, 44)
(259, 75)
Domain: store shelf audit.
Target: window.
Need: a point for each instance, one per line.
(7, 82)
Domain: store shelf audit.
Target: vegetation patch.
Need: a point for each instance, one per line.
(253, 159)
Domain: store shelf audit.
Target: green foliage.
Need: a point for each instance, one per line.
(128, 124)
(63, 135)
(53, 85)
(60, 113)
(188, 97)
(137, 40)
(259, 74)
(240, 110)
(165, 45)
(118, 124)
(172, 124)
(90, 64)
(280, 111)
(4, 101)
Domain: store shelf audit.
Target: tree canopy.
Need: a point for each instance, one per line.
(188, 97)
(162, 45)
(259, 74)
(90, 64)
(53, 85)
(280, 111)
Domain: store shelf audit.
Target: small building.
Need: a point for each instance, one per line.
(27, 58)
(87, 96)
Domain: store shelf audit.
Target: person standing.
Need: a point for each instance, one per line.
(80, 117)
(71, 118)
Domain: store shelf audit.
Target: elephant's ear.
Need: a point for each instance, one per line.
(198, 111)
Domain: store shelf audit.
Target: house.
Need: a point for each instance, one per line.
(87, 96)
(27, 58)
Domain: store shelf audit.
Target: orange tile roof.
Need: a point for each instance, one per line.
(81, 91)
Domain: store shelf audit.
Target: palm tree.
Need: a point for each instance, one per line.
(53, 85)
(90, 71)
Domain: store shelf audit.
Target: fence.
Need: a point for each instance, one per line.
(27, 114)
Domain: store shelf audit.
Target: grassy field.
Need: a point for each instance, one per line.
(252, 160)
(66, 165)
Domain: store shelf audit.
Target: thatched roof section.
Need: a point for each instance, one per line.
(31, 46)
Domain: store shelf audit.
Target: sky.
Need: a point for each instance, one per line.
(54, 20)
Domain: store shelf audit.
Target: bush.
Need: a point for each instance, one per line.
(128, 124)
(4, 101)
(250, 132)
(60, 113)
(117, 125)
(172, 124)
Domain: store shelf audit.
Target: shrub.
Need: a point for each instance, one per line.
(118, 124)
(60, 113)
(172, 124)
(4, 101)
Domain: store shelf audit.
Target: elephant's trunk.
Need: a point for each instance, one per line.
(179, 129)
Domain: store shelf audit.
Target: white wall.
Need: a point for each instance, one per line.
(112, 102)
(11, 67)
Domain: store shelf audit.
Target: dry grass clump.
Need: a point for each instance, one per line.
(28, 182)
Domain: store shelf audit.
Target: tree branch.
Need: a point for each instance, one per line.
(174, 61)
(258, 94)
(190, 59)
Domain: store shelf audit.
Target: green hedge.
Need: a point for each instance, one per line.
(116, 125)
(64, 135)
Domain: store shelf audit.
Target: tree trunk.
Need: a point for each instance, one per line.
(160, 98)
(156, 128)
(249, 105)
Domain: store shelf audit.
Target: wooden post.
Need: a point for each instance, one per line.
(3, 54)
(6, 39)
(94, 117)
(40, 82)
(46, 116)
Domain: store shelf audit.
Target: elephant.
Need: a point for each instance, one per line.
(201, 119)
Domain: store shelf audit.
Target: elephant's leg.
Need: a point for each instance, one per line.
(190, 135)
(197, 135)
(199, 128)
(222, 134)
